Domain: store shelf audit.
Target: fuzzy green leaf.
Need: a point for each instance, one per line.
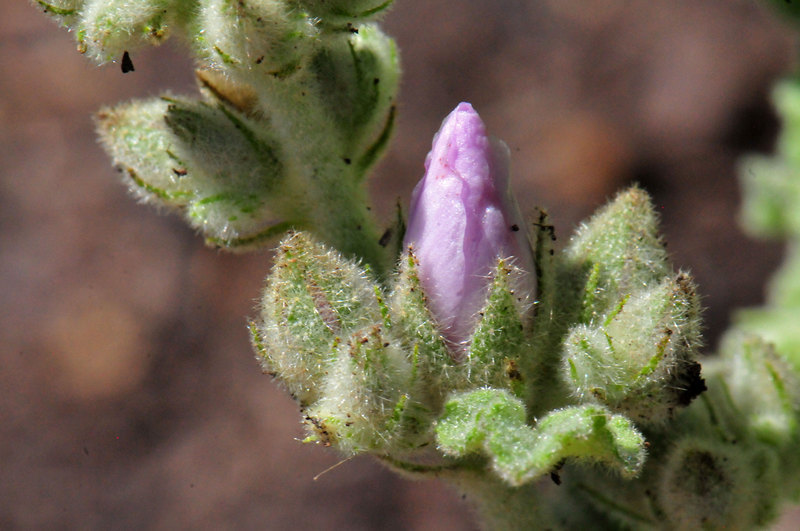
(492, 421)
(212, 164)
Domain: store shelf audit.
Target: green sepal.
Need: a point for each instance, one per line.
(358, 75)
(409, 311)
(492, 422)
(313, 301)
(499, 340)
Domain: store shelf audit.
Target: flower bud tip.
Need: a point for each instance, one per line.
(462, 219)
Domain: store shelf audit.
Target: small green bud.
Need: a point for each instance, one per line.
(635, 346)
(106, 29)
(640, 360)
(64, 11)
(314, 300)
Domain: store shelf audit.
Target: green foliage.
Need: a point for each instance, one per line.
(296, 109)
(378, 377)
(635, 345)
(493, 422)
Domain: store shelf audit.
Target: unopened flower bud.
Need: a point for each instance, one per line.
(463, 218)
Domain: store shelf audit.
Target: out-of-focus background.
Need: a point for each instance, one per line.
(129, 396)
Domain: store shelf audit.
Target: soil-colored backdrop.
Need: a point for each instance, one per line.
(129, 396)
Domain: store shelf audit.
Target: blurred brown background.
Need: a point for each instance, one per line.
(129, 397)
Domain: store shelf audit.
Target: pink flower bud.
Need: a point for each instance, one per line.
(463, 218)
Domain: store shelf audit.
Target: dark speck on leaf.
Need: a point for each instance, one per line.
(514, 228)
(127, 64)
